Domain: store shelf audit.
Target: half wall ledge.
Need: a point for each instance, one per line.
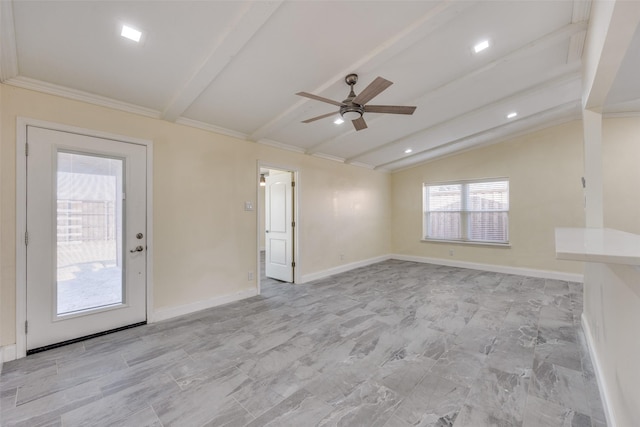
(602, 245)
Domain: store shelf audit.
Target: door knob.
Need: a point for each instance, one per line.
(137, 249)
(266, 231)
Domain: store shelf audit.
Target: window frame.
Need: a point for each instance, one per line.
(464, 212)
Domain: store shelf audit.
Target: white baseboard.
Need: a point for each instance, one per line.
(7, 353)
(543, 274)
(170, 312)
(341, 269)
(597, 366)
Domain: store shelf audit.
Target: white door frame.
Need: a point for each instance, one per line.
(296, 215)
(21, 216)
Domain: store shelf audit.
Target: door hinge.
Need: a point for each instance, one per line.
(293, 223)
(293, 264)
(26, 148)
(293, 184)
(26, 327)
(26, 238)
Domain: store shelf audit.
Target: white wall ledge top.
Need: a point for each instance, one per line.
(604, 245)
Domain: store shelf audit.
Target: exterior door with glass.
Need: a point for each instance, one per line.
(86, 234)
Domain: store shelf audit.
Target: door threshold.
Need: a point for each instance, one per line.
(86, 337)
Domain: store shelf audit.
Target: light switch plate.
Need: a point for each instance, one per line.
(248, 206)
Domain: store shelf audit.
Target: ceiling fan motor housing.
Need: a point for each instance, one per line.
(354, 111)
(350, 110)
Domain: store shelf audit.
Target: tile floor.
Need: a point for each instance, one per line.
(393, 344)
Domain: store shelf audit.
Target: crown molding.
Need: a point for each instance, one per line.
(8, 54)
(328, 157)
(281, 145)
(621, 114)
(576, 46)
(211, 128)
(622, 109)
(364, 165)
(79, 95)
(581, 10)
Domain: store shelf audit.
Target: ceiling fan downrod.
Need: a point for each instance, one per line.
(350, 110)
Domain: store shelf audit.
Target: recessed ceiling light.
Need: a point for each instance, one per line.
(131, 33)
(338, 121)
(408, 150)
(481, 46)
(511, 115)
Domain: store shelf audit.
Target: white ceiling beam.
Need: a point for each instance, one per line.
(611, 30)
(541, 120)
(528, 49)
(562, 80)
(8, 55)
(238, 34)
(425, 25)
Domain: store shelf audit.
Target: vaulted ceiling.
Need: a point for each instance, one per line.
(235, 67)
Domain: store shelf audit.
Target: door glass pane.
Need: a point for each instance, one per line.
(89, 232)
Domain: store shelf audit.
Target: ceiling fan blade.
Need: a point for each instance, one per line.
(371, 91)
(319, 98)
(389, 109)
(313, 119)
(359, 124)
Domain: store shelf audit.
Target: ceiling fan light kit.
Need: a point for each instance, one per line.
(354, 106)
(351, 113)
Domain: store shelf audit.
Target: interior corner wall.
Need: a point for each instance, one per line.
(612, 292)
(343, 210)
(544, 170)
(204, 241)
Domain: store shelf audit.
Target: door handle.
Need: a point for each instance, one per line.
(266, 231)
(137, 249)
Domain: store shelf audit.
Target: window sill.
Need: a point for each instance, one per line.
(468, 243)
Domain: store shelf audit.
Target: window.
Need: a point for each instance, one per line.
(467, 211)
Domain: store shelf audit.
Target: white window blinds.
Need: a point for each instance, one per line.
(473, 211)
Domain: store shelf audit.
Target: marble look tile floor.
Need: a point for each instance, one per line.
(393, 344)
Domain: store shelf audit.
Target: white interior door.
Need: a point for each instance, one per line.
(279, 227)
(86, 225)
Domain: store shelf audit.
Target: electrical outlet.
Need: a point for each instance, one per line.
(451, 252)
(250, 275)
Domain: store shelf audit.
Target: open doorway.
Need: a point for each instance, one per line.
(277, 215)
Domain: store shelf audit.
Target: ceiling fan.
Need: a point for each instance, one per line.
(354, 106)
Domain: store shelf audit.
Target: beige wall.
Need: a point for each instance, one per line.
(621, 173)
(342, 210)
(261, 218)
(544, 170)
(2, 319)
(204, 241)
(612, 292)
